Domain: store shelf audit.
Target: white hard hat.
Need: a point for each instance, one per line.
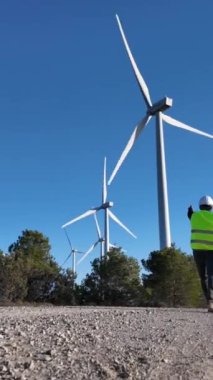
(206, 200)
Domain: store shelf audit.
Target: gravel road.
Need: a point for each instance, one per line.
(105, 343)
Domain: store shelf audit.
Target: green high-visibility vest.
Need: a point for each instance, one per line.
(202, 230)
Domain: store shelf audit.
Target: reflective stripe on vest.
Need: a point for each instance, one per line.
(193, 241)
(202, 230)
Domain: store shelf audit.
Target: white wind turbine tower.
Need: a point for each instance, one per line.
(105, 206)
(157, 110)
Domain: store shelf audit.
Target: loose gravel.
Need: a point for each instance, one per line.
(53, 343)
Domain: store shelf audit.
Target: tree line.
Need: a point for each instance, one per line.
(29, 273)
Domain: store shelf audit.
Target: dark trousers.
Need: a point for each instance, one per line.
(204, 262)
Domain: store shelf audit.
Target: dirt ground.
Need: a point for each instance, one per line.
(105, 343)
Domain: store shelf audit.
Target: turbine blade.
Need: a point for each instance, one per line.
(87, 213)
(140, 80)
(104, 192)
(120, 223)
(97, 226)
(138, 129)
(179, 124)
(66, 259)
(69, 241)
(87, 253)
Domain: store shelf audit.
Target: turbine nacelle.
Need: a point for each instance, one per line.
(104, 206)
(160, 106)
(107, 205)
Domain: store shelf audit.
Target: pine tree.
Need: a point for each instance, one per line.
(172, 278)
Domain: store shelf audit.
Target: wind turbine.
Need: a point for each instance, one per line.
(99, 241)
(157, 110)
(105, 206)
(72, 254)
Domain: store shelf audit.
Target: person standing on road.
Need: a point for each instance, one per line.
(202, 245)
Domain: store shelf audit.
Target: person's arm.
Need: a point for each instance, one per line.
(190, 212)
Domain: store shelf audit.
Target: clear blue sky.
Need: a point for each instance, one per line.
(68, 98)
